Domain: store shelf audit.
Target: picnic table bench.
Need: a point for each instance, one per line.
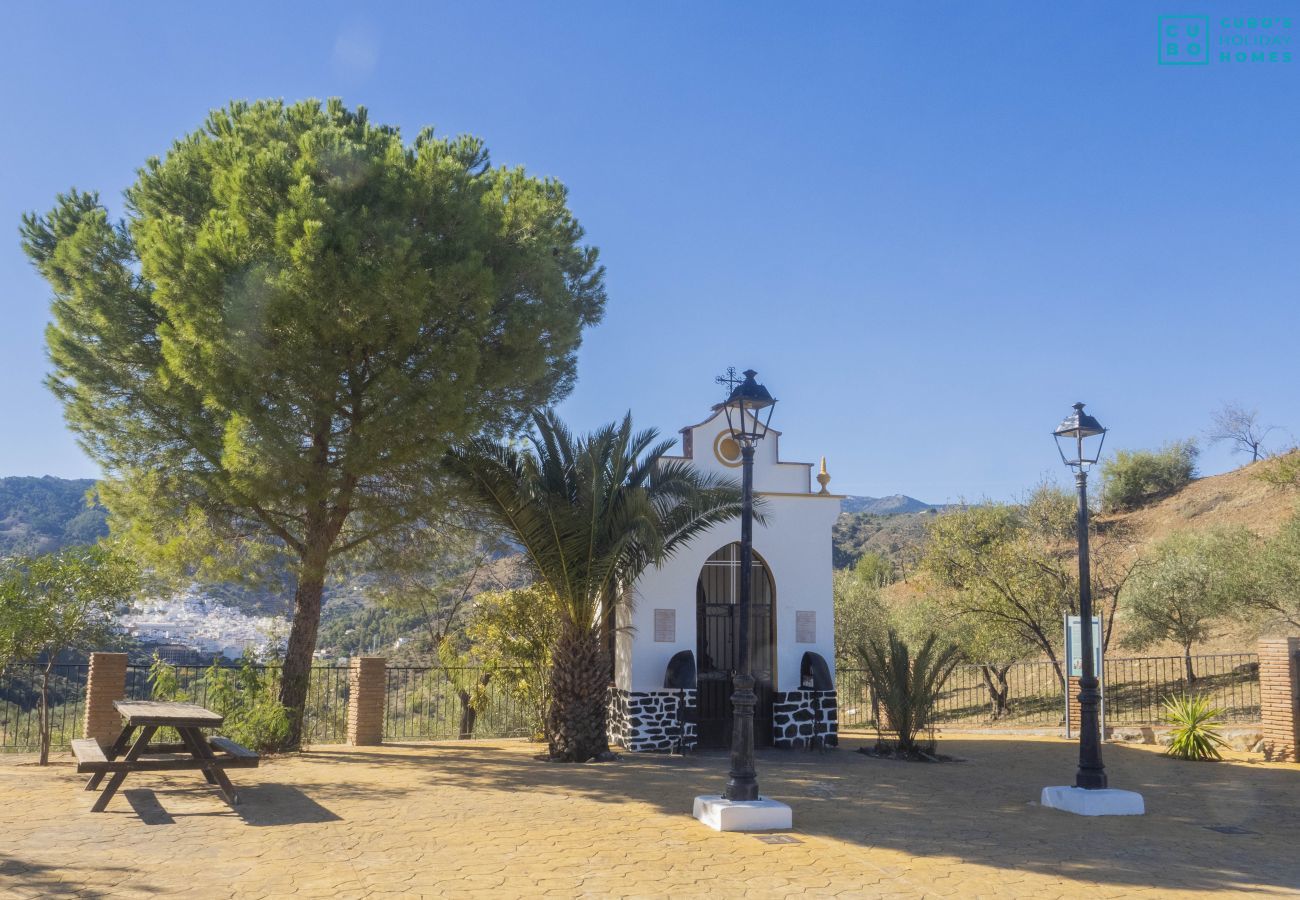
(210, 755)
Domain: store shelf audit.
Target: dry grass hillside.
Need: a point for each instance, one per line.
(1236, 498)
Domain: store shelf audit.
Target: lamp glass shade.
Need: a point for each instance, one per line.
(748, 410)
(1074, 438)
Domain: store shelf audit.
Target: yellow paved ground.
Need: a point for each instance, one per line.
(487, 819)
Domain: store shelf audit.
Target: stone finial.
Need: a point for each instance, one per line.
(823, 478)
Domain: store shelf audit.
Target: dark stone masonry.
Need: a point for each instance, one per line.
(648, 721)
(799, 717)
(652, 721)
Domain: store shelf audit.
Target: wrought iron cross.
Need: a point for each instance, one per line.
(730, 379)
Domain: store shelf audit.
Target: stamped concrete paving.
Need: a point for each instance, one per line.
(487, 819)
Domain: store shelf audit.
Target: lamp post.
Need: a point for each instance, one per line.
(744, 410)
(1070, 436)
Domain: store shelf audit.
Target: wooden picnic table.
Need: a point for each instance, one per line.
(212, 756)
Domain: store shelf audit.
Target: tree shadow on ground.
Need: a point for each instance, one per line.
(982, 811)
(23, 877)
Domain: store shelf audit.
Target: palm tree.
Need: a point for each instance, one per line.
(591, 514)
(907, 688)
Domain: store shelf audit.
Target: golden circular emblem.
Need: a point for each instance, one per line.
(726, 449)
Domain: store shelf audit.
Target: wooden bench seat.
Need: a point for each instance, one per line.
(243, 757)
(90, 756)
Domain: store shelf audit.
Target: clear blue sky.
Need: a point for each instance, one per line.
(930, 227)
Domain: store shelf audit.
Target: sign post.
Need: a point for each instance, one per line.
(1074, 659)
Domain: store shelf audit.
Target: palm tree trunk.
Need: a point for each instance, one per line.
(579, 683)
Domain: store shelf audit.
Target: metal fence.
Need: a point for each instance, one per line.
(1136, 688)
(429, 703)
(420, 702)
(434, 703)
(20, 687)
(1134, 692)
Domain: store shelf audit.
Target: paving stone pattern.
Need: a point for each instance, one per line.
(489, 819)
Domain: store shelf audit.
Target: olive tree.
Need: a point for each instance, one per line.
(58, 602)
(1184, 589)
(1009, 572)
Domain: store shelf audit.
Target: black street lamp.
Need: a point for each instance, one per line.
(1070, 435)
(744, 409)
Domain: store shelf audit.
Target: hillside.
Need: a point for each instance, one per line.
(38, 515)
(896, 537)
(1238, 497)
(894, 504)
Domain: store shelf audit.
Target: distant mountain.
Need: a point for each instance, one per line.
(39, 515)
(893, 505)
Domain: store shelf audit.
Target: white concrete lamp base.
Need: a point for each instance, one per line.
(721, 814)
(1103, 802)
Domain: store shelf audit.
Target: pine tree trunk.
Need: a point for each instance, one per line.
(579, 683)
(296, 674)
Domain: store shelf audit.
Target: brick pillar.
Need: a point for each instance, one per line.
(105, 683)
(367, 684)
(1072, 682)
(1279, 694)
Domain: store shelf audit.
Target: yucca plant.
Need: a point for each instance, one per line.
(907, 688)
(1196, 734)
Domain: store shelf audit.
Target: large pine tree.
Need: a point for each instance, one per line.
(298, 316)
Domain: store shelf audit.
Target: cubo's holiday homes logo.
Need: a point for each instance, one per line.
(1229, 40)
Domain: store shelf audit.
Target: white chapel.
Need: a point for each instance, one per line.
(675, 647)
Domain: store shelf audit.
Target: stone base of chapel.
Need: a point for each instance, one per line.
(652, 721)
(664, 721)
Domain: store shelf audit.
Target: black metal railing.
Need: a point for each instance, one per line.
(434, 703)
(1136, 688)
(420, 702)
(430, 702)
(1134, 691)
(20, 687)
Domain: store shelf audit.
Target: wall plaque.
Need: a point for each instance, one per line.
(805, 626)
(665, 625)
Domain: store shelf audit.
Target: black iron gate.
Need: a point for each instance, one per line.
(718, 630)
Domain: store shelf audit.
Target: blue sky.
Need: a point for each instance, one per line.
(929, 227)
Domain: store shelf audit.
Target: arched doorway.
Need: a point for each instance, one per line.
(717, 593)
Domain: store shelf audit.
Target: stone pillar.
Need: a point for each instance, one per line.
(105, 683)
(1279, 695)
(366, 694)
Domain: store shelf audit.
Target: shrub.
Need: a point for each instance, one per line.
(1281, 471)
(907, 688)
(165, 683)
(1133, 477)
(249, 698)
(1195, 735)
